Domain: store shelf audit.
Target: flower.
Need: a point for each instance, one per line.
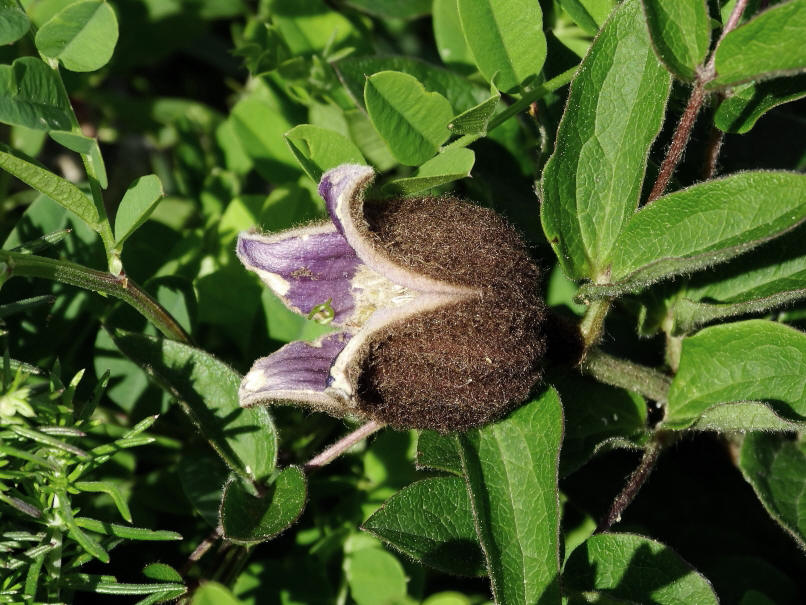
(441, 326)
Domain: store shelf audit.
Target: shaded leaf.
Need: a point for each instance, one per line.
(139, 201)
(511, 473)
(203, 477)
(742, 416)
(475, 119)
(318, 149)
(450, 38)
(505, 38)
(247, 517)
(769, 45)
(680, 33)
(635, 569)
(588, 14)
(592, 182)
(743, 361)
(740, 111)
(213, 593)
(431, 521)
(374, 576)
(14, 23)
(31, 96)
(393, 9)
(82, 35)
(208, 390)
(448, 166)
(775, 465)
(439, 452)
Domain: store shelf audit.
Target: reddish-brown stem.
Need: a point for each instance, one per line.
(712, 152)
(634, 484)
(342, 445)
(202, 549)
(683, 130)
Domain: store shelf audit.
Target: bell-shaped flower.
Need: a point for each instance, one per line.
(436, 301)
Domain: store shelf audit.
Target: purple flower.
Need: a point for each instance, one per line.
(441, 325)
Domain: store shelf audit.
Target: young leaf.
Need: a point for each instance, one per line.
(592, 182)
(475, 119)
(431, 521)
(32, 96)
(506, 465)
(82, 35)
(506, 39)
(743, 361)
(318, 149)
(775, 465)
(248, 518)
(742, 416)
(680, 33)
(139, 201)
(768, 45)
(162, 572)
(14, 23)
(412, 121)
(208, 389)
(740, 111)
(438, 452)
(708, 223)
(450, 38)
(87, 146)
(448, 166)
(634, 569)
(60, 190)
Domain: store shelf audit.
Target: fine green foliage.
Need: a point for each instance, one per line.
(82, 35)
(431, 521)
(680, 33)
(750, 360)
(592, 182)
(505, 464)
(763, 47)
(411, 120)
(505, 39)
(605, 565)
(775, 466)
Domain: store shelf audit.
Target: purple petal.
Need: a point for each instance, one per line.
(298, 372)
(307, 268)
(341, 184)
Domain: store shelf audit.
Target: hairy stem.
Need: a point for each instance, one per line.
(626, 374)
(342, 445)
(530, 96)
(593, 322)
(202, 549)
(122, 288)
(683, 130)
(715, 139)
(634, 484)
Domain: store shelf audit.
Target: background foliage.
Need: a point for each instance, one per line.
(140, 136)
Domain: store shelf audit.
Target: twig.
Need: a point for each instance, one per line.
(684, 126)
(202, 549)
(342, 445)
(633, 486)
(712, 152)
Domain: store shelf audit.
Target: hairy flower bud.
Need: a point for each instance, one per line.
(437, 298)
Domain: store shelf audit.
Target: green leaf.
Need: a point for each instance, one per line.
(775, 465)
(431, 521)
(318, 149)
(87, 146)
(260, 127)
(14, 23)
(393, 9)
(439, 452)
(448, 166)
(311, 26)
(213, 593)
(412, 121)
(770, 277)
(592, 182)
(203, 476)
(506, 39)
(461, 94)
(618, 414)
(450, 38)
(139, 201)
(475, 119)
(248, 518)
(708, 223)
(60, 190)
(768, 45)
(588, 14)
(125, 531)
(743, 361)
(507, 464)
(208, 390)
(163, 572)
(680, 33)
(112, 490)
(742, 416)
(637, 570)
(32, 96)
(82, 35)
(739, 112)
(374, 576)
